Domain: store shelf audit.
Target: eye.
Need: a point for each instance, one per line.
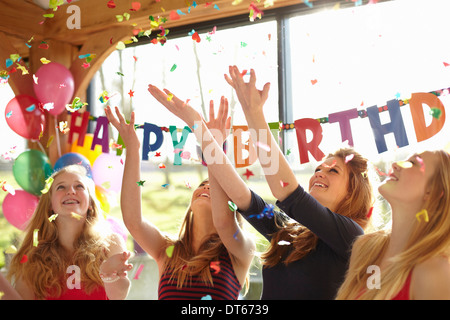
(333, 170)
(60, 187)
(80, 186)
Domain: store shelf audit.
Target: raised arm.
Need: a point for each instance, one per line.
(145, 233)
(237, 242)
(278, 173)
(218, 163)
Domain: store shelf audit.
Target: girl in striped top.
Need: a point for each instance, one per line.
(212, 255)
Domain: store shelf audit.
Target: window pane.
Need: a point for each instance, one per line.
(192, 71)
(364, 56)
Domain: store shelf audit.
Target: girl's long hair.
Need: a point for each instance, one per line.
(45, 269)
(355, 206)
(427, 240)
(185, 263)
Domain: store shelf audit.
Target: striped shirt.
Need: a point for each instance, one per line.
(225, 284)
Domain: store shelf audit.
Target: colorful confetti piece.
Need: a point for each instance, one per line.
(423, 213)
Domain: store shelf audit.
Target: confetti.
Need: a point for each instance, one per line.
(48, 185)
(76, 105)
(76, 216)
(11, 249)
(207, 297)
(169, 251)
(404, 164)
(161, 166)
(131, 93)
(236, 234)
(435, 113)
(24, 259)
(283, 243)
(35, 237)
(263, 146)
(44, 60)
(31, 108)
(215, 265)
(140, 183)
(423, 213)
(50, 140)
(267, 212)
(283, 184)
(248, 173)
(165, 185)
(173, 68)
(233, 207)
(53, 217)
(169, 97)
(111, 4)
(422, 164)
(138, 271)
(369, 214)
(349, 158)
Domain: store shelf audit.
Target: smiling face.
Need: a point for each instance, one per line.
(329, 183)
(201, 197)
(409, 179)
(70, 194)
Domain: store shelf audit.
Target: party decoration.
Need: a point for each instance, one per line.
(73, 158)
(178, 144)
(31, 169)
(86, 150)
(243, 159)
(118, 227)
(103, 198)
(423, 214)
(108, 171)
(53, 217)
(416, 102)
(146, 146)
(396, 126)
(301, 126)
(48, 185)
(27, 124)
(19, 208)
(56, 84)
(169, 251)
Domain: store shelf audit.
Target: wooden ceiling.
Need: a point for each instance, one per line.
(22, 19)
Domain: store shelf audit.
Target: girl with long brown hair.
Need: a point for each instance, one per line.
(412, 260)
(310, 240)
(69, 251)
(211, 256)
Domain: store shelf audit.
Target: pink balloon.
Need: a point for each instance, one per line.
(19, 208)
(118, 227)
(107, 172)
(55, 84)
(24, 117)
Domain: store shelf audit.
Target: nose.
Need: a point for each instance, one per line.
(319, 173)
(70, 190)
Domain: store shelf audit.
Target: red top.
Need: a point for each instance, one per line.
(403, 294)
(98, 293)
(225, 284)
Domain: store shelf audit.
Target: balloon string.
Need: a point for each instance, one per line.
(42, 148)
(58, 143)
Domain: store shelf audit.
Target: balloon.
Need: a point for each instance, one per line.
(19, 208)
(102, 198)
(55, 84)
(31, 169)
(85, 149)
(107, 172)
(118, 227)
(73, 158)
(24, 117)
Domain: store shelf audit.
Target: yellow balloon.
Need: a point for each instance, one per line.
(85, 149)
(102, 198)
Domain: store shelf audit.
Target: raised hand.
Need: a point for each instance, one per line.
(175, 105)
(250, 98)
(220, 126)
(116, 266)
(126, 131)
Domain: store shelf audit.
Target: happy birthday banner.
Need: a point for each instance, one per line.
(243, 159)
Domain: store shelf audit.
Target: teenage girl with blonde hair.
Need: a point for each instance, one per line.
(411, 261)
(68, 229)
(211, 256)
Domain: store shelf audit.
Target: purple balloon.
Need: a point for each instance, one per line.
(19, 208)
(55, 84)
